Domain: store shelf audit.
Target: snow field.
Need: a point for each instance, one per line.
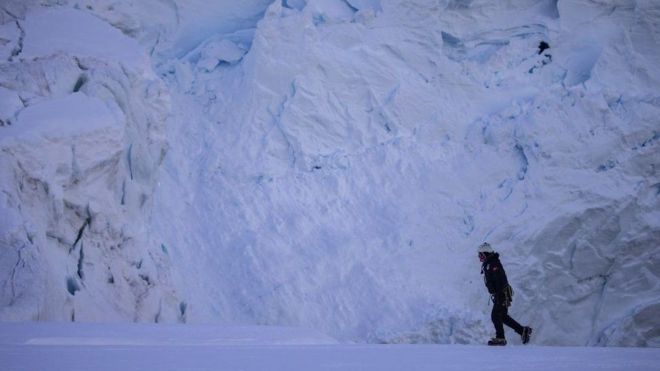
(68, 346)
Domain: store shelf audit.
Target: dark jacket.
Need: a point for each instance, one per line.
(495, 279)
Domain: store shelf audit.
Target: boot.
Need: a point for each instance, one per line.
(526, 333)
(497, 341)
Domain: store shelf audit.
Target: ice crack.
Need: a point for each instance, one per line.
(277, 122)
(81, 257)
(14, 272)
(87, 222)
(524, 162)
(348, 4)
(130, 162)
(19, 48)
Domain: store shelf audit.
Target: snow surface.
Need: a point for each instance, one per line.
(189, 347)
(333, 164)
(68, 116)
(53, 31)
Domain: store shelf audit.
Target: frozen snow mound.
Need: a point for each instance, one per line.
(82, 139)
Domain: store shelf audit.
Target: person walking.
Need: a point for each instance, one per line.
(501, 294)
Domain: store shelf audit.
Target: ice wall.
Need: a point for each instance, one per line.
(82, 137)
(333, 164)
(347, 166)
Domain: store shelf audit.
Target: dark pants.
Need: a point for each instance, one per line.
(500, 317)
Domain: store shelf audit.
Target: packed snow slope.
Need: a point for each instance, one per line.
(333, 164)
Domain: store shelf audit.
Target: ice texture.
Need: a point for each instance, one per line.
(333, 164)
(79, 163)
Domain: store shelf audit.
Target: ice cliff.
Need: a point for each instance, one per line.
(333, 164)
(82, 140)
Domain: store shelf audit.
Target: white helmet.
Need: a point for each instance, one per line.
(485, 247)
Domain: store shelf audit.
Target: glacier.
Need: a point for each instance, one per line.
(333, 164)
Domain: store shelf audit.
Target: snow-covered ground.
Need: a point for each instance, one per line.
(333, 164)
(187, 347)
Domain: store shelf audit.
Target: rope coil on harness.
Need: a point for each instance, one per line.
(508, 296)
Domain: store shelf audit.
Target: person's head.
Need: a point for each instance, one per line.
(484, 251)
